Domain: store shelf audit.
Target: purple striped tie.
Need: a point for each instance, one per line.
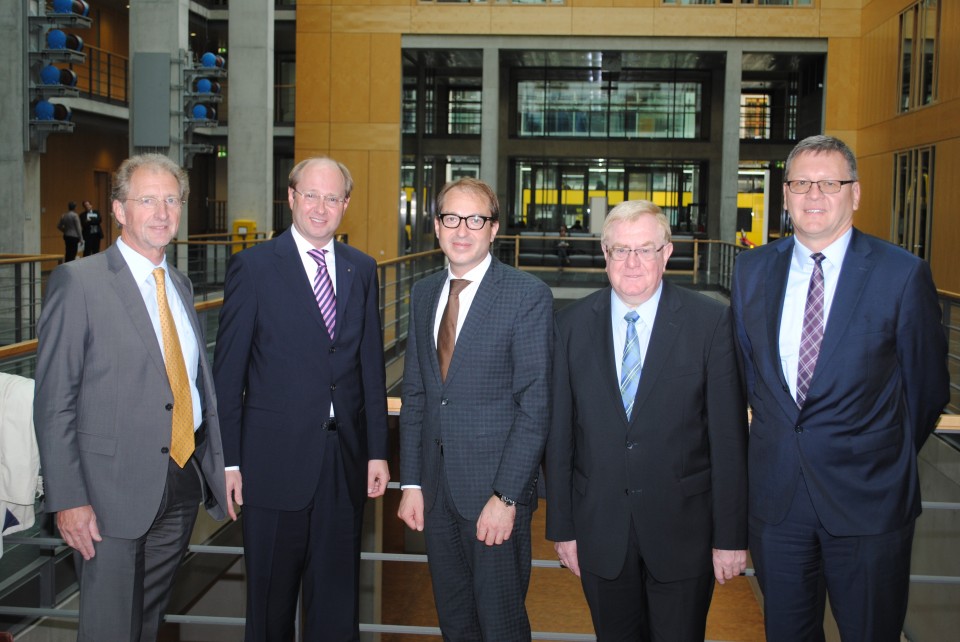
(812, 333)
(323, 291)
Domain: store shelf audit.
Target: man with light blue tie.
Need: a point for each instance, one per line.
(646, 458)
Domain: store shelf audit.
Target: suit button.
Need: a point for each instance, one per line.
(630, 445)
(444, 402)
(333, 387)
(798, 429)
(332, 350)
(169, 406)
(165, 450)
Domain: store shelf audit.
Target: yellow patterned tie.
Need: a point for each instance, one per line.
(181, 440)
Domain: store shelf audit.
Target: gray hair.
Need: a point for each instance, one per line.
(630, 211)
(121, 180)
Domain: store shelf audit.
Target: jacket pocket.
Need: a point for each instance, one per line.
(96, 444)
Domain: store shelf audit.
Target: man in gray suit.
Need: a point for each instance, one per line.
(125, 411)
(476, 406)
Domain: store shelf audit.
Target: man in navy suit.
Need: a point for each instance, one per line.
(476, 406)
(646, 460)
(301, 385)
(845, 364)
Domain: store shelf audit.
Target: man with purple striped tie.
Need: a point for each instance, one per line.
(300, 381)
(845, 365)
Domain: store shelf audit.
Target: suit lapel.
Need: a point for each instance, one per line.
(853, 277)
(475, 321)
(608, 365)
(774, 292)
(346, 271)
(290, 266)
(663, 336)
(128, 292)
(429, 312)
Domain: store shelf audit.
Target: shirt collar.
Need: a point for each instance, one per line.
(304, 246)
(140, 266)
(834, 252)
(476, 274)
(647, 310)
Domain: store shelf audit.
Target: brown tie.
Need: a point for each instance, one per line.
(447, 335)
(181, 438)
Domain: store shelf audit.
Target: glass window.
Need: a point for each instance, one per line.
(913, 200)
(625, 109)
(551, 192)
(919, 54)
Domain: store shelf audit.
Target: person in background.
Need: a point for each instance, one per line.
(92, 229)
(69, 225)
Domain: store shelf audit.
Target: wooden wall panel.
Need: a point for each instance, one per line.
(356, 220)
(946, 223)
(386, 79)
(843, 84)
(67, 172)
(876, 190)
(613, 21)
(350, 78)
(880, 68)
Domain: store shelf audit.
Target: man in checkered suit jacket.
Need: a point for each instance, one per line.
(471, 441)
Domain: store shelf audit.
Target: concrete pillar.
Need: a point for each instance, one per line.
(730, 154)
(490, 120)
(16, 215)
(162, 26)
(250, 134)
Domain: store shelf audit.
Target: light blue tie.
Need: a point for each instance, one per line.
(630, 371)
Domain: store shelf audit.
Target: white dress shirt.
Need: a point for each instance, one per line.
(647, 311)
(795, 299)
(310, 266)
(467, 295)
(142, 269)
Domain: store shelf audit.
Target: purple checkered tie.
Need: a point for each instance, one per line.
(323, 291)
(812, 334)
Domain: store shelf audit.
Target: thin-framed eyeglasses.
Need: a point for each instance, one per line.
(327, 200)
(474, 221)
(826, 187)
(153, 203)
(645, 254)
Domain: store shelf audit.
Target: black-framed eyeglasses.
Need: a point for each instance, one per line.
(153, 203)
(645, 254)
(474, 221)
(826, 187)
(327, 200)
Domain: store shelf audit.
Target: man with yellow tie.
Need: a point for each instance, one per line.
(125, 410)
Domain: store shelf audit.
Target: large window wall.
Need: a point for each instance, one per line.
(566, 191)
(607, 109)
(575, 130)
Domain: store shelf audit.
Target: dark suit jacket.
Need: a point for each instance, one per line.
(879, 386)
(492, 413)
(102, 397)
(681, 457)
(277, 372)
